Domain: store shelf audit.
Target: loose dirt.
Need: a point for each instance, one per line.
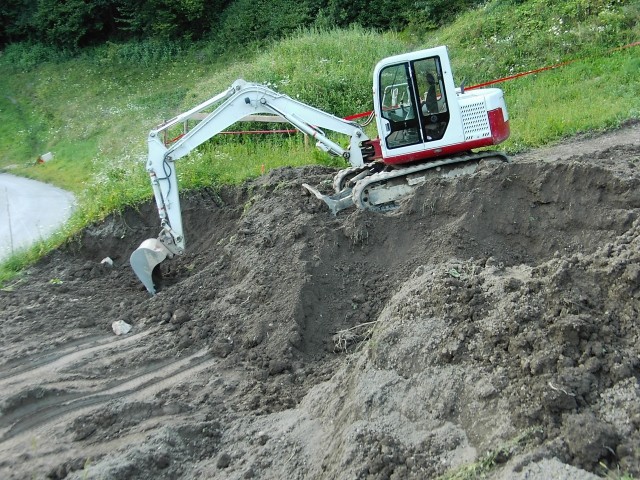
(491, 320)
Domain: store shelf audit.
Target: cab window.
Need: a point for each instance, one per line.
(433, 101)
(414, 102)
(398, 104)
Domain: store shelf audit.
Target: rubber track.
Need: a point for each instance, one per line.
(383, 177)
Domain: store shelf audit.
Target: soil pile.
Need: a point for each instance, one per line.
(492, 318)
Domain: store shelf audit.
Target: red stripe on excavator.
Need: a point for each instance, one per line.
(499, 132)
(499, 126)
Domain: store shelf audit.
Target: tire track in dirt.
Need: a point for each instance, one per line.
(28, 368)
(141, 385)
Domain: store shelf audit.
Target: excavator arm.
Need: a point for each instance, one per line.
(241, 100)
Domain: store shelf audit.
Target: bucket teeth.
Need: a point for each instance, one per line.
(144, 259)
(337, 202)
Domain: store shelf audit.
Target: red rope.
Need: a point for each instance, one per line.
(358, 115)
(240, 132)
(517, 75)
(169, 142)
(480, 85)
(550, 67)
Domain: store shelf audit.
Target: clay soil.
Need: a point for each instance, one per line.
(491, 320)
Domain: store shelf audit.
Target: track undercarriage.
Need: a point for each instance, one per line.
(378, 187)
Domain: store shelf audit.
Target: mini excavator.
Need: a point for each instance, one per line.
(426, 127)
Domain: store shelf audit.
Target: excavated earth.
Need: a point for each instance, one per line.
(491, 321)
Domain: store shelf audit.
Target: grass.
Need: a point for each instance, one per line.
(93, 111)
(21, 259)
(583, 96)
(483, 466)
(210, 165)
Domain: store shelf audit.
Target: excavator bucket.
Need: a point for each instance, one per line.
(144, 259)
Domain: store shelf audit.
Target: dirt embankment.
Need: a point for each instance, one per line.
(494, 314)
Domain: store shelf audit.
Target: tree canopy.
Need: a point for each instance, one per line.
(73, 24)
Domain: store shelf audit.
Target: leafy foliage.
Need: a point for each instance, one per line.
(435, 13)
(73, 24)
(249, 21)
(16, 19)
(381, 14)
(169, 20)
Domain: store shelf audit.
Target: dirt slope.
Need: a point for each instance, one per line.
(495, 314)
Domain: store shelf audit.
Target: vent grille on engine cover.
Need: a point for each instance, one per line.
(475, 121)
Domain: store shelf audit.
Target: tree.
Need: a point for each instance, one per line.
(74, 23)
(381, 14)
(16, 20)
(169, 19)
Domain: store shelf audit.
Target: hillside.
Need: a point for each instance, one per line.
(491, 321)
(487, 328)
(93, 110)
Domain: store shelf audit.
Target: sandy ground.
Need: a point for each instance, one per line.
(30, 211)
(491, 321)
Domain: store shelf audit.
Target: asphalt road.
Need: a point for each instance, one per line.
(30, 211)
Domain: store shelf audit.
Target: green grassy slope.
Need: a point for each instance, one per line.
(93, 112)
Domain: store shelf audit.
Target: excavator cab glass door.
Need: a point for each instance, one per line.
(399, 106)
(433, 100)
(413, 102)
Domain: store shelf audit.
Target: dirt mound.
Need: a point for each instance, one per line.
(491, 318)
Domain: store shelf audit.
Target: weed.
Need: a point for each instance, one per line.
(343, 339)
(482, 467)
(249, 203)
(86, 468)
(616, 474)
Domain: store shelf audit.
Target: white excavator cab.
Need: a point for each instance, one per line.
(411, 101)
(420, 113)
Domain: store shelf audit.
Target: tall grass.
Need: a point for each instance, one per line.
(598, 89)
(211, 164)
(84, 109)
(585, 96)
(329, 69)
(505, 37)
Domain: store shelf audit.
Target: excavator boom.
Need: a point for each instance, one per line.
(426, 127)
(241, 100)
